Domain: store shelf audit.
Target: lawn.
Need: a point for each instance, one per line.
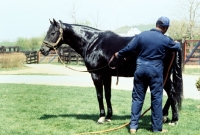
(60, 110)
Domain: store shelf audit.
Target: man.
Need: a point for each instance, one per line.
(151, 47)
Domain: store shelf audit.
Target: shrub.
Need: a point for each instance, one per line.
(11, 60)
(198, 84)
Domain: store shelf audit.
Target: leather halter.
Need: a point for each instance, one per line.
(54, 45)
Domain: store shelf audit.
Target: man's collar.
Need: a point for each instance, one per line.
(154, 29)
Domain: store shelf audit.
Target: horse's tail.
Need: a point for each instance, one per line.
(177, 78)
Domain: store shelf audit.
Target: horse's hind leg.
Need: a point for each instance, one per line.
(171, 101)
(166, 111)
(98, 82)
(107, 89)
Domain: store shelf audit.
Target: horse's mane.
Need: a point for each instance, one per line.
(83, 26)
(93, 29)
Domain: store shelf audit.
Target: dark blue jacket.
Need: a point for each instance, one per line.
(150, 45)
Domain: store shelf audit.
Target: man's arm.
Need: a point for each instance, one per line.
(127, 50)
(173, 45)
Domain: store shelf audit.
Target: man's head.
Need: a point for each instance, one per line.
(163, 24)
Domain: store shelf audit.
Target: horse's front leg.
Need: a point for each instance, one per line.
(107, 88)
(98, 82)
(171, 101)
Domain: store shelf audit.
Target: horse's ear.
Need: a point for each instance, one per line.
(54, 22)
(60, 21)
(50, 21)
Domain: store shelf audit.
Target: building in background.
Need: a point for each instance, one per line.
(133, 31)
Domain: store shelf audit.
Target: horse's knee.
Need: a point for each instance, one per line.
(99, 96)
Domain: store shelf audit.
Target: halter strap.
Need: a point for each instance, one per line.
(53, 45)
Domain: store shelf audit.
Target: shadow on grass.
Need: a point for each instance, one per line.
(144, 123)
(82, 116)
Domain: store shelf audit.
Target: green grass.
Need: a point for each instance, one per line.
(13, 69)
(60, 110)
(192, 71)
(7, 43)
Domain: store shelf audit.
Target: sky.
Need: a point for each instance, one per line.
(30, 18)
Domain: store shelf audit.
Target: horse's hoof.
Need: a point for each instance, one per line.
(165, 119)
(101, 120)
(108, 120)
(175, 123)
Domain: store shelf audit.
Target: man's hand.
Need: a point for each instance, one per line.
(116, 55)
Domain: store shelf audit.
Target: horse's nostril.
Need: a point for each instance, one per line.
(42, 49)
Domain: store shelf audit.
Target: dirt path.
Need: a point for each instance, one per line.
(60, 75)
(52, 69)
(46, 69)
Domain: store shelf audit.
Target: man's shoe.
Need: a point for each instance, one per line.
(133, 131)
(164, 131)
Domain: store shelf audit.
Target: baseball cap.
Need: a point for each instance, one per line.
(163, 21)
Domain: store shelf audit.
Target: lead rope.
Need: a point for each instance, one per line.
(112, 129)
(108, 130)
(75, 69)
(93, 69)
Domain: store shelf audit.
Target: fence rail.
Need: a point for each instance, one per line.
(52, 57)
(9, 49)
(31, 57)
(191, 52)
(66, 54)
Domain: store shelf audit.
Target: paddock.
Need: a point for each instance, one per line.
(47, 109)
(44, 99)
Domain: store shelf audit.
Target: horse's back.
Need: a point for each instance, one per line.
(100, 53)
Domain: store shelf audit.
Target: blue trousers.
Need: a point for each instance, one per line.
(148, 73)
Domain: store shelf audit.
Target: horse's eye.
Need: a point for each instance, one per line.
(53, 32)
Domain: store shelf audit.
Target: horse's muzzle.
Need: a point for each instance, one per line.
(44, 52)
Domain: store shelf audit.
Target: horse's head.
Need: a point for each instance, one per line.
(53, 38)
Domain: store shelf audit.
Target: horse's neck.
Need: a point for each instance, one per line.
(82, 39)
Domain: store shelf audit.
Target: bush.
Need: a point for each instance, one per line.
(11, 60)
(198, 84)
(30, 44)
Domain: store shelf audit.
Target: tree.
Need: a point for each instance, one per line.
(73, 13)
(190, 13)
(23, 43)
(35, 43)
(74, 16)
(29, 44)
(96, 20)
(177, 29)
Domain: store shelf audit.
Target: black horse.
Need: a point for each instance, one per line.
(97, 47)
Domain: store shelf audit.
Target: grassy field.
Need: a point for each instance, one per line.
(7, 43)
(192, 71)
(60, 110)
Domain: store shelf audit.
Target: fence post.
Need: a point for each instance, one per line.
(38, 57)
(27, 58)
(70, 53)
(17, 48)
(3, 49)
